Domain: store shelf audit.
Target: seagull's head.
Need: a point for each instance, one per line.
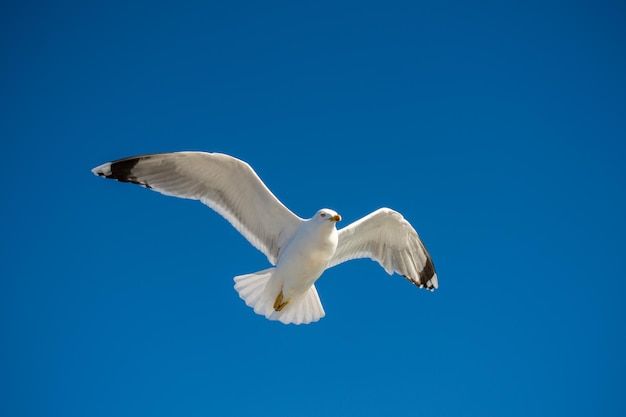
(324, 215)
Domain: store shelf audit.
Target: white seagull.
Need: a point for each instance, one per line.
(300, 250)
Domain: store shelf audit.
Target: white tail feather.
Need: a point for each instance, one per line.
(259, 292)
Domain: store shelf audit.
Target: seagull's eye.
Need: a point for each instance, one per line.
(322, 214)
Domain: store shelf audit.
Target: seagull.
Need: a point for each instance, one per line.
(300, 250)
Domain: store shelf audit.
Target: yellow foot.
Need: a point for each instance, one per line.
(278, 303)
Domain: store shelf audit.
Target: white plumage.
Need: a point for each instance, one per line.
(300, 250)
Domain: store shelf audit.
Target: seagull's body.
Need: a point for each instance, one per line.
(300, 249)
(306, 256)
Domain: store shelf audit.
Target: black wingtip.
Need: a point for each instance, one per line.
(426, 275)
(429, 270)
(122, 170)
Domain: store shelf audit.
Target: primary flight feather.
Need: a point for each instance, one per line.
(300, 250)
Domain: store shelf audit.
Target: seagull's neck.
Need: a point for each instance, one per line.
(323, 228)
(312, 241)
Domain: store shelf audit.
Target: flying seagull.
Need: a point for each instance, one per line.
(300, 250)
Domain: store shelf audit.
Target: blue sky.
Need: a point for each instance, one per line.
(497, 128)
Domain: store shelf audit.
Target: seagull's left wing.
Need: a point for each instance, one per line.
(226, 184)
(386, 237)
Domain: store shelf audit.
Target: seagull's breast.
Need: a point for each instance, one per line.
(305, 258)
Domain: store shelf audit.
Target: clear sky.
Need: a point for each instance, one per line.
(496, 128)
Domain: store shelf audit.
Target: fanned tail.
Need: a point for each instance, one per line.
(259, 291)
(255, 290)
(304, 309)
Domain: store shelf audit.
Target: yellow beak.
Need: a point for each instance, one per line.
(336, 218)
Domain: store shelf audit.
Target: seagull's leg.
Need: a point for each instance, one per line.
(278, 303)
(283, 305)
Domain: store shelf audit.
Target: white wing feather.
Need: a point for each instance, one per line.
(386, 237)
(226, 184)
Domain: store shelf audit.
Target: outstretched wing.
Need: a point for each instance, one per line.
(226, 184)
(386, 237)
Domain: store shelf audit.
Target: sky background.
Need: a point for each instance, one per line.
(496, 128)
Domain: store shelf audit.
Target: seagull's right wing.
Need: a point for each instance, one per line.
(226, 184)
(386, 237)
